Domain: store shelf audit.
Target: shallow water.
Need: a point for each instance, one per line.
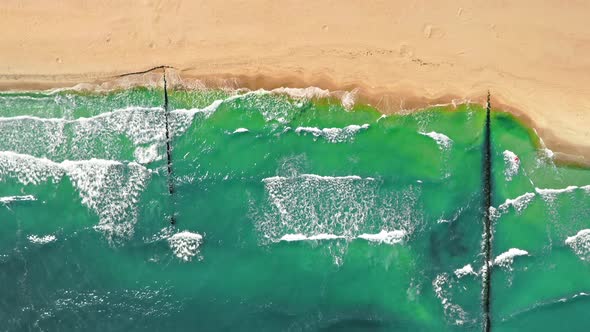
(290, 214)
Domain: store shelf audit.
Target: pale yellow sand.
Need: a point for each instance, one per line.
(534, 56)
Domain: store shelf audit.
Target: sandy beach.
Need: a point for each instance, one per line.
(533, 57)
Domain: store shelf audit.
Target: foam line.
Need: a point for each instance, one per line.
(10, 199)
(127, 109)
(387, 237)
(443, 141)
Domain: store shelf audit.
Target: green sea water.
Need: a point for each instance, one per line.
(291, 214)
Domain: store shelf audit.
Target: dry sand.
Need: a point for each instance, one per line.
(533, 56)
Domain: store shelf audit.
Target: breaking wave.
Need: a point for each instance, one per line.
(314, 207)
(105, 135)
(83, 138)
(185, 245)
(110, 188)
(519, 203)
(333, 135)
(443, 141)
(240, 131)
(580, 244)
(386, 237)
(465, 271)
(42, 239)
(550, 194)
(511, 164)
(506, 259)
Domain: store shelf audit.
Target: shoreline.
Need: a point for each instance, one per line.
(400, 55)
(383, 100)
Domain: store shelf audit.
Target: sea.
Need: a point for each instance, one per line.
(283, 210)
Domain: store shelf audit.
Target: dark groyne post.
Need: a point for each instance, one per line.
(168, 147)
(487, 233)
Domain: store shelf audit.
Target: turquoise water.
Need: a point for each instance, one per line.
(290, 215)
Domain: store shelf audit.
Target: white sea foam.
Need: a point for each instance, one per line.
(99, 136)
(548, 154)
(303, 93)
(317, 237)
(33, 118)
(580, 244)
(568, 189)
(83, 138)
(126, 120)
(28, 169)
(495, 214)
(550, 195)
(454, 312)
(185, 245)
(383, 116)
(10, 199)
(312, 207)
(506, 259)
(325, 237)
(387, 237)
(464, 271)
(110, 188)
(272, 110)
(42, 239)
(511, 164)
(333, 135)
(316, 177)
(519, 203)
(443, 141)
(580, 294)
(333, 178)
(275, 110)
(240, 130)
(206, 111)
(348, 99)
(293, 237)
(181, 119)
(146, 155)
(34, 98)
(546, 151)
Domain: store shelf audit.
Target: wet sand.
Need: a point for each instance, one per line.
(534, 58)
